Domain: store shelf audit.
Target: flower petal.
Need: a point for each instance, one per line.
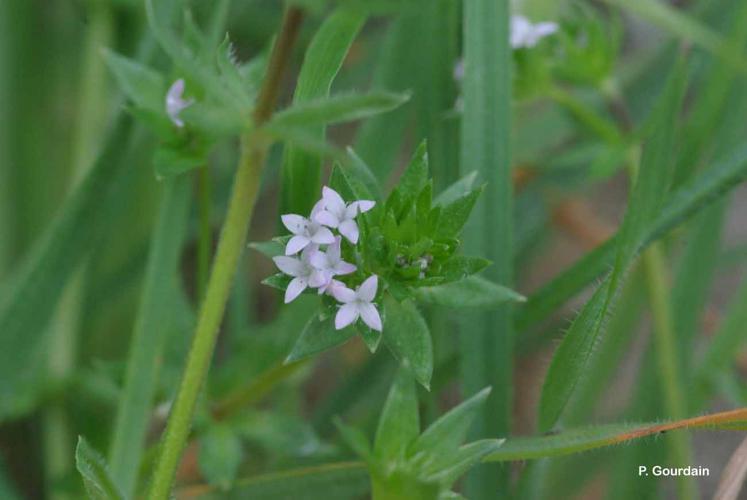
(295, 223)
(319, 278)
(345, 316)
(334, 251)
(333, 202)
(349, 229)
(289, 265)
(359, 207)
(323, 236)
(327, 218)
(370, 316)
(343, 267)
(318, 207)
(296, 244)
(367, 291)
(295, 287)
(319, 260)
(342, 293)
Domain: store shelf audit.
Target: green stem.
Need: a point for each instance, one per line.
(230, 246)
(666, 352)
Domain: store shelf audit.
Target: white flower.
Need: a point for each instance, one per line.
(330, 263)
(175, 102)
(358, 304)
(304, 274)
(306, 231)
(525, 35)
(336, 213)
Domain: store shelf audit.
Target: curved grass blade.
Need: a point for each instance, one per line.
(589, 438)
(148, 339)
(92, 467)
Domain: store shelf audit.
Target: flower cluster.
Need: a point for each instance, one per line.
(175, 102)
(313, 258)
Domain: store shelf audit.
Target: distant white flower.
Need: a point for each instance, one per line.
(358, 304)
(525, 35)
(306, 231)
(175, 102)
(336, 213)
(304, 274)
(330, 263)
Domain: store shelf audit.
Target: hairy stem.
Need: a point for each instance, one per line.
(230, 245)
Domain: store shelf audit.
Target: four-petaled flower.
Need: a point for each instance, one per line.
(330, 263)
(525, 34)
(335, 213)
(304, 274)
(175, 102)
(306, 231)
(358, 304)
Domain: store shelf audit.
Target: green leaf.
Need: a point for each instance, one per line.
(371, 338)
(415, 176)
(151, 326)
(407, 336)
(399, 423)
(460, 267)
(318, 336)
(356, 168)
(338, 109)
(583, 439)
(301, 171)
(457, 190)
(92, 467)
(169, 161)
(689, 199)
(220, 455)
(573, 353)
(454, 466)
(320, 482)
(355, 439)
(141, 84)
(279, 281)
(444, 436)
(39, 284)
(270, 249)
(473, 291)
(455, 214)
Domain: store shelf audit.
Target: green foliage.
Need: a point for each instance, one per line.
(93, 469)
(407, 464)
(221, 454)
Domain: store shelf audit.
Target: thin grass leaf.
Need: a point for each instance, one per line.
(584, 439)
(572, 356)
(151, 325)
(92, 467)
(487, 338)
(39, 284)
(301, 170)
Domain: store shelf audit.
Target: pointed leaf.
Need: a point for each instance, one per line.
(407, 336)
(141, 84)
(460, 188)
(399, 423)
(455, 214)
(318, 336)
(473, 291)
(92, 467)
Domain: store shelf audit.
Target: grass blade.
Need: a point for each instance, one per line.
(148, 339)
(487, 340)
(25, 313)
(324, 57)
(92, 467)
(572, 356)
(584, 439)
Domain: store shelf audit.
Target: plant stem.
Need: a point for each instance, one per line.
(669, 370)
(230, 246)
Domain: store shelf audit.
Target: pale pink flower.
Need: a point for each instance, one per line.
(175, 102)
(358, 304)
(304, 274)
(336, 213)
(330, 262)
(525, 34)
(306, 231)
